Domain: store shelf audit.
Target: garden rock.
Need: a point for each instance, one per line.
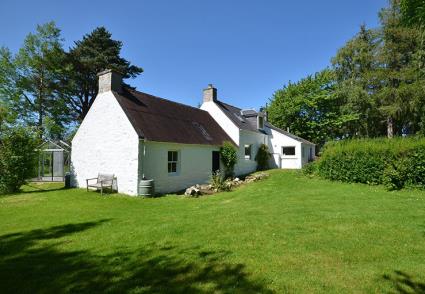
(256, 177)
(193, 191)
(204, 187)
(236, 182)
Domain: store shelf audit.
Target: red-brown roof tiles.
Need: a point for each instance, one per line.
(161, 120)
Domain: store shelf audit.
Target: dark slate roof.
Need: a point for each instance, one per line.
(161, 120)
(249, 122)
(242, 122)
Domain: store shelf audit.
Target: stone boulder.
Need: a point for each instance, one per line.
(193, 191)
(256, 177)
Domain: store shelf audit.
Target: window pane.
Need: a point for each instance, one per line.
(172, 161)
(288, 150)
(247, 150)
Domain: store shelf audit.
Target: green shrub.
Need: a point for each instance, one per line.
(416, 168)
(229, 157)
(262, 157)
(310, 169)
(17, 159)
(395, 175)
(397, 162)
(218, 183)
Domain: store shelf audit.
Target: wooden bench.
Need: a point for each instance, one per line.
(102, 181)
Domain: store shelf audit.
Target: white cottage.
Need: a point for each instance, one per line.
(134, 135)
(250, 129)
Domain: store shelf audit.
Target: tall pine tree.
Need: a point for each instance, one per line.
(355, 66)
(396, 74)
(96, 52)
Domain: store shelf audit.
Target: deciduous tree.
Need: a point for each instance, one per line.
(310, 108)
(31, 80)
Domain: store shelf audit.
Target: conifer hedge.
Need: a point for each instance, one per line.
(396, 163)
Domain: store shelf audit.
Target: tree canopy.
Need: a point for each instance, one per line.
(413, 12)
(31, 80)
(44, 87)
(96, 52)
(374, 87)
(310, 108)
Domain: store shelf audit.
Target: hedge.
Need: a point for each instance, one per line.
(17, 158)
(397, 162)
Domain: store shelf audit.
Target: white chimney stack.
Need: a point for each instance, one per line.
(110, 80)
(210, 94)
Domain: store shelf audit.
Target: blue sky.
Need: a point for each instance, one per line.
(247, 49)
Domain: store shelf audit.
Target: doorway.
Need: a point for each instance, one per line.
(215, 161)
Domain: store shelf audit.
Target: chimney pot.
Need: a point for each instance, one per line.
(110, 80)
(210, 94)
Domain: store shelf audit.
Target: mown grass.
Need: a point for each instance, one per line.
(287, 233)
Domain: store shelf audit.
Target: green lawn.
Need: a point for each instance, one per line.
(287, 233)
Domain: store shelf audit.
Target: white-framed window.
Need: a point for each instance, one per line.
(288, 150)
(173, 161)
(248, 149)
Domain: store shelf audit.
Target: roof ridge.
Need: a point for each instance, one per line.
(288, 133)
(163, 115)
(229, 104)
(167, 100)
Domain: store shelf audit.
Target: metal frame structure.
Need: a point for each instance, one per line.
(53, 161)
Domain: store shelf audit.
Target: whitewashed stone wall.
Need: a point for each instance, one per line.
(194, 165)
(276, 141)
(106, 142)
(246, 166)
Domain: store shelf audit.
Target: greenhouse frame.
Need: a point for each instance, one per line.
(53, 161)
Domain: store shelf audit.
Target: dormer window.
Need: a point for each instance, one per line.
(260, 122)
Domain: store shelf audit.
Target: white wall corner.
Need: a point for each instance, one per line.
(106, 142)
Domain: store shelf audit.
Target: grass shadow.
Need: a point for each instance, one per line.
(404, 283)
(34, 261)
(32, 187)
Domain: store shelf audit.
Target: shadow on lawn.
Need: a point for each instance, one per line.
(34, 187)
(404, 283)
(33, 262)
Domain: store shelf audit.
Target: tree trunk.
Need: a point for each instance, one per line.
(390, 127)
(40, 107)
